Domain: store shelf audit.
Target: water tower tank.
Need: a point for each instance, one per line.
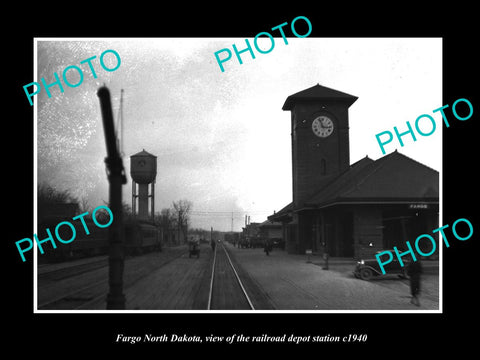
(143, 167)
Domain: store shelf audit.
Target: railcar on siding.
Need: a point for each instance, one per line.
(140, 238)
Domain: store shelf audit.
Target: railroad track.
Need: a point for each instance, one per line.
(223, 284)
(83, 297)
(68, 270)
(227, 291)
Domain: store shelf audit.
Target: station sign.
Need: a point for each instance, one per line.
(418, 206)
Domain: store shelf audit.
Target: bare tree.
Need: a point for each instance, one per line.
(165, 219)
(49, 195)
(84, 206)
(181, 211)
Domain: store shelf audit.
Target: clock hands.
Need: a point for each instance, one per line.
(324, 127)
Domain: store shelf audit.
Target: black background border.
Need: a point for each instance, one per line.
(91, 333)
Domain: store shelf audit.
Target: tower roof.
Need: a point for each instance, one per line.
(143, 153)
(318, 92)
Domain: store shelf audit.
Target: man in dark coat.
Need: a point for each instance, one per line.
(414, 272)
(267, 246)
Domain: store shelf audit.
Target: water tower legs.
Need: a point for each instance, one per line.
(143, 201)
(143, 198)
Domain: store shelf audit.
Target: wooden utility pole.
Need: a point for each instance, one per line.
(116, 178)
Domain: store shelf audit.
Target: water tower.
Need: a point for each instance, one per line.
(143, 169)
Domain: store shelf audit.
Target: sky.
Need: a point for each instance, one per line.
(221, 139)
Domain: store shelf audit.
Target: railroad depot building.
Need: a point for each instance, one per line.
(343, 209)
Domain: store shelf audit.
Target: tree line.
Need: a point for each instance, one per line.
(52, 202)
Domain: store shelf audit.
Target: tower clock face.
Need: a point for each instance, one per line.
(322, 126)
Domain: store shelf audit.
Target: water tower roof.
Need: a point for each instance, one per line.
(143, 153)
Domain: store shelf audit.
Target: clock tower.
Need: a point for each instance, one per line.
(320, 140)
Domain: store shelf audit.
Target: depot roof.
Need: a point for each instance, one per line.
(393, 178)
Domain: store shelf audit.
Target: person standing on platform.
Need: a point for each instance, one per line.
(267, 247)
(414, 272)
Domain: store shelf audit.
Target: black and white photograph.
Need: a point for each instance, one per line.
(241, 194)
(212, 183)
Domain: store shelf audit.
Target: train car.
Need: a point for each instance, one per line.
(83, 245)
(94, 244)
(140, 238)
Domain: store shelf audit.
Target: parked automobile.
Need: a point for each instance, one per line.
(368, 268)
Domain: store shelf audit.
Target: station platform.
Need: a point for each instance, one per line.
(292, 283)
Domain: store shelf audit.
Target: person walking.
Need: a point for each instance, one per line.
(267, 247)
(414, 272)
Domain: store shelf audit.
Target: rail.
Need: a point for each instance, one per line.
(239, 281)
